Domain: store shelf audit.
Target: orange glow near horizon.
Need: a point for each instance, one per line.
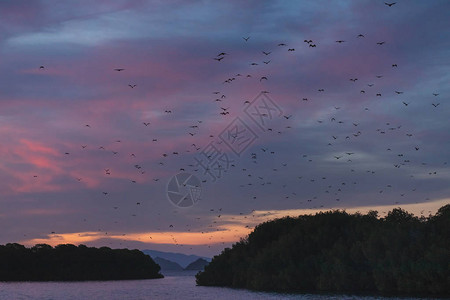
(227, 235)
(232, 229)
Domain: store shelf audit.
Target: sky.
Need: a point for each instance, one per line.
(265, 108)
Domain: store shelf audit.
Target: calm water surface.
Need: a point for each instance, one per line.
(178, 286)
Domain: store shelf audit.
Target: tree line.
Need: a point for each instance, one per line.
(67, 262)
(337, 252)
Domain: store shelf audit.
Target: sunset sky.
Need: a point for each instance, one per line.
(358, 119)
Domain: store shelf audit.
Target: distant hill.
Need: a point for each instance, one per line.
(182, 259)
(167, 265)
(199, 265)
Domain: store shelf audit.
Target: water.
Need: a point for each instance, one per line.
(179, 286)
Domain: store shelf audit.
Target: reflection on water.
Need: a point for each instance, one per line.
(175, 285)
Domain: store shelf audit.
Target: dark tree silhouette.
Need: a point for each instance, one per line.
(68, 262)
(338, 252)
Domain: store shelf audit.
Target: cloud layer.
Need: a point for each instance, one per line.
(87, 150)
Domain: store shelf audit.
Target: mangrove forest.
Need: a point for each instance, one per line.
(338, 252)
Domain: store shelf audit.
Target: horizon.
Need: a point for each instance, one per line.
(276, 108)
(415, 209)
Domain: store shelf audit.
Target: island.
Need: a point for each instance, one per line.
(340, 253)
(197, 265)
(167, 265)
(67, 262)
